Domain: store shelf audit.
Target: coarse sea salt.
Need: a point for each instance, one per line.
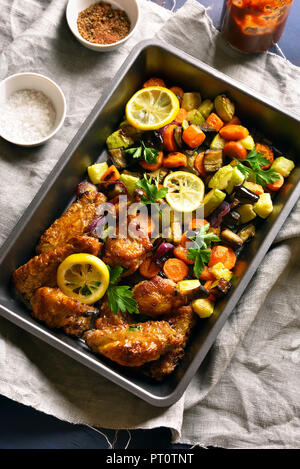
(27, 116)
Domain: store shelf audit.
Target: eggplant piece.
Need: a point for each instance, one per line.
(207, 128)
(118, 157)
(213, 160)
(221, 288)
(232, 218)
(153, 139)
(245, 196)
(178, 137)
(247, 232)
(231, 238)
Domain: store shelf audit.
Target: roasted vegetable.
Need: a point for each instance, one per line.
(191, 157)
(236, 179)
(232, 218)
(224, 107)
(283, 166)
(119, 139)
(214, 122)
(191, 101)
(246, 212)
(153, 139)
(220, 288)
(178, 137)
(247, 232)
(159, 175)
(195, 117)
(212, 200)
(220, 271)
(130, 182)
(264, 206)
(206, 107)
(245, 196)
(248, 142)
(85, 186)
(221, 178)
(213, 160)
(118, 157)
(203, 307)
(218, 214)
(217, 143)
(229, 237)
(96, 172)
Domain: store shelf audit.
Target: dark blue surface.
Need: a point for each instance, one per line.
(24, 427)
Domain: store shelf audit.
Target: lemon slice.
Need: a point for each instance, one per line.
(152, 108)
(83, 277)
(185, 191)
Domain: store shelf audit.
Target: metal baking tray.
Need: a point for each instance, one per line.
(148, 59)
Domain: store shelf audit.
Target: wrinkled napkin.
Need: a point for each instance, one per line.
(246, 393)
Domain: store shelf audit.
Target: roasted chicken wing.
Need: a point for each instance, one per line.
(157, 296)
(41, 270)
(133, 345)
(128, 252)
(72, 223)
(182, 320)
(58, 311)
(107, 318)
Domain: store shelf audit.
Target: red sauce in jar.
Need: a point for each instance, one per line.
(254, 25)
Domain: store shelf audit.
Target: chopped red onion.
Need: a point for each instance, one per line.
(218, 214)
(162, 252)
(96, 226)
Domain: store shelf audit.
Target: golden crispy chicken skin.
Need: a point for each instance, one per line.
(41, 270)
(107, 318)
(133, 345)
(157, 296)
(182, 320)
(72, 223)
(127, 252)
(57, 310)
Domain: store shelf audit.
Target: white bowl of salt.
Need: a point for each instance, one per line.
(32, 109)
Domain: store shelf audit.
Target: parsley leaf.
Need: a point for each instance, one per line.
(256, 161)
(148, 154)
(200, 251)
(120, 297)
(152, 191)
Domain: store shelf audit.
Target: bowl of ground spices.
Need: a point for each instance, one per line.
(102, 26)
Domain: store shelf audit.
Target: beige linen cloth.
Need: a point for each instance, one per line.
(246, 394)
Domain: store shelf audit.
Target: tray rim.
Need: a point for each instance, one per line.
(50, 337)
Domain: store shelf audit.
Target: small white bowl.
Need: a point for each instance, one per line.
(35, 82)
(74, 7)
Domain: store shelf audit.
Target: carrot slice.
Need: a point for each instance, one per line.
(154, 81)
(181, 116)
(182, 253)
(149, 268)
(214, 122)
(175, 160)
(153, 166)
(193, 136)
(175, 269)
(234, 132)
(178, 91)
(275, 186)
(197, 223)
(235, 150)
(206, 275)
(199, 164)
(111, 175)
(168, 138)
(256, 188)
(267, 152)
(222, 254)
(234, 121)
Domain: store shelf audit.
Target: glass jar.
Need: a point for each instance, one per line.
(254, 25)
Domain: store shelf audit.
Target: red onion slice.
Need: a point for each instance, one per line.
(217, 216)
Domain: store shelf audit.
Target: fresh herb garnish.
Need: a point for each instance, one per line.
(86, 291)
(200, 251)
(256, 161)
(151, 190)
(120, 297)
(134, 328)
(148, 154)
